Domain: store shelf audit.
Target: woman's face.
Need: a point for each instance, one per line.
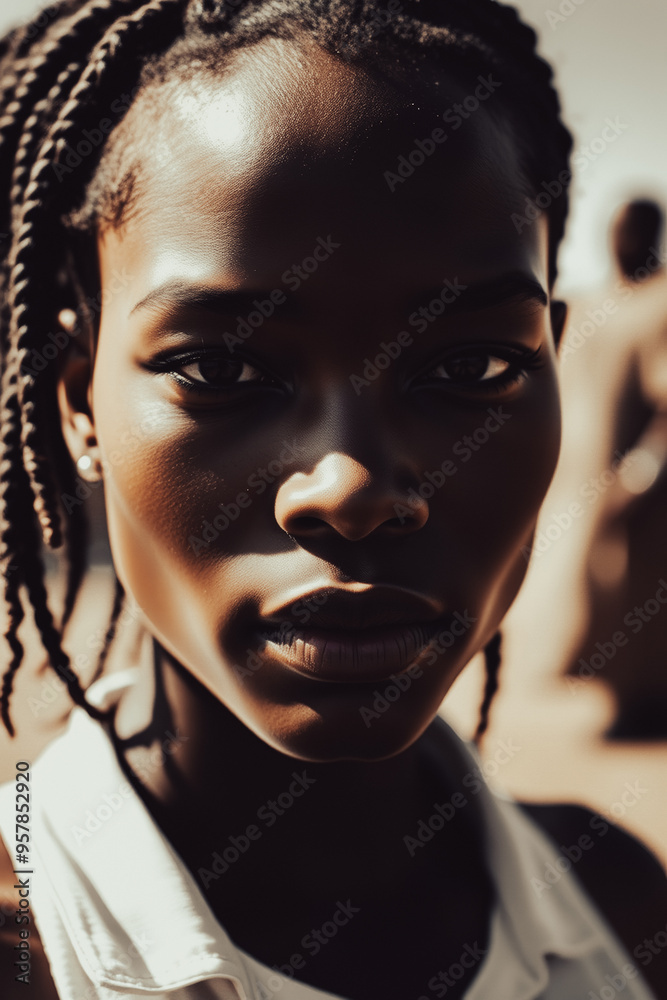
(324, 429)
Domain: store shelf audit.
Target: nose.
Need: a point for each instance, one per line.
(343, 495)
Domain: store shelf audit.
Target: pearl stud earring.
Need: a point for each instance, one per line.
(89, 469)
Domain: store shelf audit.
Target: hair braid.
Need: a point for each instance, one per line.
(24, 437)
(34, 77)
(12, 476)
(57, 75)
(492, 659)
(28, 319)
(31, 137)
(112, 627)
(76, 536)
(40, 68)
(49, 634)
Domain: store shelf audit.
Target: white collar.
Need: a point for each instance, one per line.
(115, 886)
(558, 922)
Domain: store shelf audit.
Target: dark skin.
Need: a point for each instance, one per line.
(263, 162)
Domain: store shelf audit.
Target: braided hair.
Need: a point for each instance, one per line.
(60, 80)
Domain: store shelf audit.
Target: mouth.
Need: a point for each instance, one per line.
(350, 637)
(358, 656)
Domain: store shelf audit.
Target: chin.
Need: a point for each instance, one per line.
(303, 733)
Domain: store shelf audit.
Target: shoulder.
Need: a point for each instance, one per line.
(623, 878)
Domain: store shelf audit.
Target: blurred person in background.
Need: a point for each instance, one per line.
(594, 603)
(614, 386)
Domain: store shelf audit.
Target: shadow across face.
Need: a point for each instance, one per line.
(325, 402)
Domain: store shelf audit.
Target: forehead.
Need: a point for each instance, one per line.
(287, 143)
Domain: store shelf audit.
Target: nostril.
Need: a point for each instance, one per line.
(307, 525)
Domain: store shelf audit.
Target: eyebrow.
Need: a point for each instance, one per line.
(515, 287)
(177, 292)
(504, 289)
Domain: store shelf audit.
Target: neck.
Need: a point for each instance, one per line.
(190, 752)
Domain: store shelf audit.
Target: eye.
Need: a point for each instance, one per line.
(471, 367)
(218, 372)
(483, 369)
(212, 374)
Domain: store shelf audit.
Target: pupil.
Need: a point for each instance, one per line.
(467, 366)
(217, 369)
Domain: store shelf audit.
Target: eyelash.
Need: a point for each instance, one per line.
(521, 361)
(170, 365)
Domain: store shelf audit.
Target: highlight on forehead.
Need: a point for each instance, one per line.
(177, 86)
(176, 89)
(420, 43)
(60, 76)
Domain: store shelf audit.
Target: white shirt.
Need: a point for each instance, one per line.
(120, 915)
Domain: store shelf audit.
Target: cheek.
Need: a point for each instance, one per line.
(505, 462)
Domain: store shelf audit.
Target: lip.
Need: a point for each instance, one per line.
(345, 636)
(358, 656)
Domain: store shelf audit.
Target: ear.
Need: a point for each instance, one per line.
(558, 318)
(74, 396)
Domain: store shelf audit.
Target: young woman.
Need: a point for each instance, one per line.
(277, 277)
